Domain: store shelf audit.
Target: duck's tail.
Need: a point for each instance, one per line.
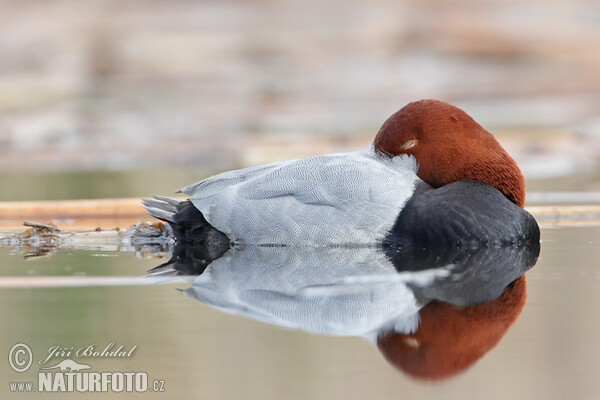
(198, 243)
(163, 208)
(189, 226)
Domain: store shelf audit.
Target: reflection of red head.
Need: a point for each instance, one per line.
(451, 338)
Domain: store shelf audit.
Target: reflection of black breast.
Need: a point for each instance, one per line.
(475, 275)
(464, 214)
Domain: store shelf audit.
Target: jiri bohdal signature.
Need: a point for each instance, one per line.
(91, 350)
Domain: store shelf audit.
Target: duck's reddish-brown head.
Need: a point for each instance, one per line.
(450, 146)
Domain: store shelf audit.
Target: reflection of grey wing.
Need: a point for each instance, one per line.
(339, 198)
(362, 313)
(334, 291)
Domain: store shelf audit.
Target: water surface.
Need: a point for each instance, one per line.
(550, 352)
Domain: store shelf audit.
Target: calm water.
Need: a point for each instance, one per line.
(550, 352)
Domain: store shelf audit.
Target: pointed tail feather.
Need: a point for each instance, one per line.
(188, 223)
(164, 209)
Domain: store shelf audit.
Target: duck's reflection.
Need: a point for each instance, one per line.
(450, 338)
(432, 313)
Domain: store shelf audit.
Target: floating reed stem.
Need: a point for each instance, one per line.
(81, 215)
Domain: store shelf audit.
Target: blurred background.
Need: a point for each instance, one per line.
(113, 99)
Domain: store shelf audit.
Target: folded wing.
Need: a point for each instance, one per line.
(348, 198)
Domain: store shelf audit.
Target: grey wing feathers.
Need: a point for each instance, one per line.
(214, 184)
(337, 198)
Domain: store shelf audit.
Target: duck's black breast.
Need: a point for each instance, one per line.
(464, 214)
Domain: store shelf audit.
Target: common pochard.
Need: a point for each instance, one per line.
(431, 172)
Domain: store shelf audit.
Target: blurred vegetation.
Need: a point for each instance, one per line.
(111, 85)
(65, 185)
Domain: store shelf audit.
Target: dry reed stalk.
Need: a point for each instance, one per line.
(81, 215)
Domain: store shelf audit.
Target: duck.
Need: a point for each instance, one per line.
(428, 177)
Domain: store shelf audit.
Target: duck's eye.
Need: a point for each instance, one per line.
(409, 144)
(411, 342)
